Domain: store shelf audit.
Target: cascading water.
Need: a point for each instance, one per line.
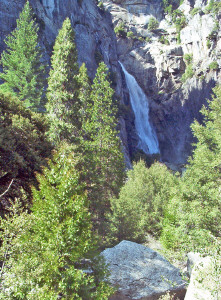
(147, 137)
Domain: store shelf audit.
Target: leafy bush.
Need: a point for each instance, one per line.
(188, 58)
(188, 73)
(101, 5)
(195, 11)
(213, 7)
(214, 65)
(141, 203)
(153, 24)
(130, 34)
(164, 40)
(120, 30)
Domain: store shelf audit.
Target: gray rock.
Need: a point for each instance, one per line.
(141, 273)
(192, 259)
(205, 281)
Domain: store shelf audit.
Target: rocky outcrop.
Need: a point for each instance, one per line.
(141, 273)
(205, 280)
(157, 62)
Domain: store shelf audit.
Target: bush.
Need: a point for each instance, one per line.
(153, 24)
(164, 40)
(214, 65)
(120, 30)
(141, 203)
(195, 11)
(130, 34)
(188, 73)
(188, 58)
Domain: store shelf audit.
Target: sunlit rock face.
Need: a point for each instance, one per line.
(158, 67)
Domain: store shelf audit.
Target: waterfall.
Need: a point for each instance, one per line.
(147, 137)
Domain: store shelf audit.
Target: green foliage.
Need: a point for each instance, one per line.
(130, 34)
(214, 65)
(23, 145)
(153, 24)
(120, 30)
(188, 58)
(23, 72)
(189, 73)
(164, 40)
(101, 5)
(105, 162)
(208, 43)
(142, 202)
(62, 94)
(193, 217)
(50, 250)
(195, 10)
(213, 7)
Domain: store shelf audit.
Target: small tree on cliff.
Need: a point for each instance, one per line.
(23, 72)
(63, 104)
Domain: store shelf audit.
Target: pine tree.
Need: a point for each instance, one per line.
(51, 248)
(194, 213)
(84, 98)
(104, 146)
(63, 104)
(23, 72)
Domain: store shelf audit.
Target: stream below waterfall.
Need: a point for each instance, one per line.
(148, 141)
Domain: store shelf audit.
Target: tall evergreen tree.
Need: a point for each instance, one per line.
(52, 248)
(23, 72)
(103, 145)
(63, 104)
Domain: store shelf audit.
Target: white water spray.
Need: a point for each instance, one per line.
(147, 137)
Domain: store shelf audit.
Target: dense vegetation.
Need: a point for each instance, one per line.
(62, 190)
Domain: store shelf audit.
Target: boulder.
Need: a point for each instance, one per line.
(205, 280)
(141, 273)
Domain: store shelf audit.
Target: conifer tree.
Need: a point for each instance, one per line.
(107, 161)
(62, 94)
(84, 98)
(23, 72)
(51, 247)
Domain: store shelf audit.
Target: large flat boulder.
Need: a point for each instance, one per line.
(141, 273)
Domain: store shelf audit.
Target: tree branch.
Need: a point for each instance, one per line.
(7, 188)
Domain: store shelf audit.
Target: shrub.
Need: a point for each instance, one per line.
(195, 11)
(141, 203)
(148, 39)
(153, 24)
(130, 34)
(101, 5)
(164, 40)
(188, 73)
(188, 58)
(214, 65)
(120, 30)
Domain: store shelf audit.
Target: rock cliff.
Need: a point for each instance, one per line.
(176, 68)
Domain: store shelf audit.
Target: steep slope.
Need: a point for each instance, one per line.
(158, 58)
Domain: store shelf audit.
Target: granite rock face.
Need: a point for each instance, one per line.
(157, 62)
(205, 280)
(141, 273)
